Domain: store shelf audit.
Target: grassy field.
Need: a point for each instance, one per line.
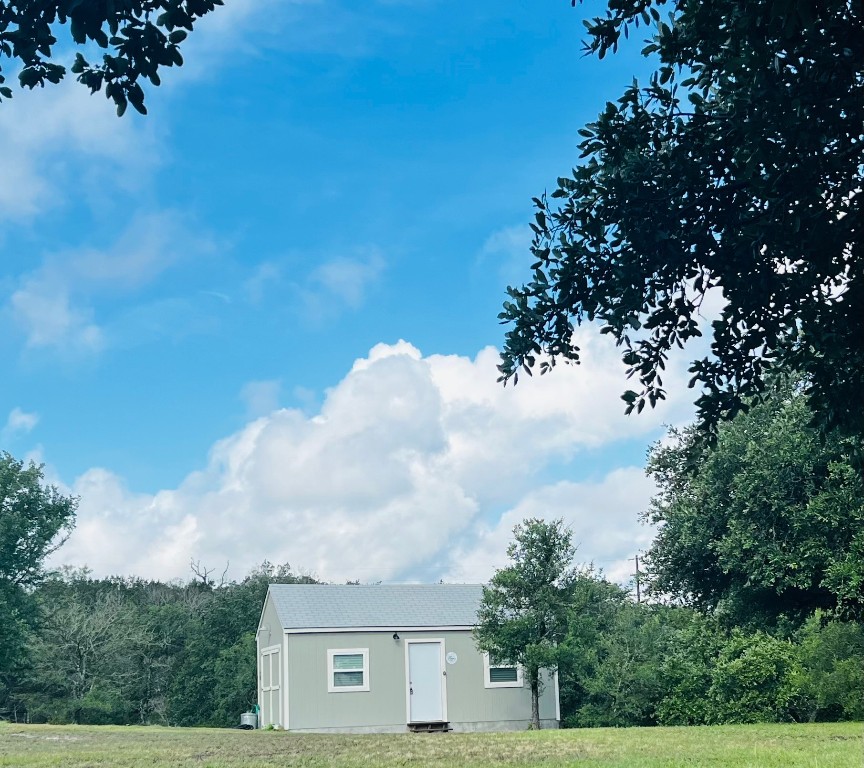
(830, 745)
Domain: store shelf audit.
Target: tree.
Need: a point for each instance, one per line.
(737, 170)
(34, 521)
(627, 683)
(523, 616)
(216, 674)
(753, 679)
(686, 666)
(88, 650)
(767, 524)
(140, 35)
(831, 678)
(594, 608)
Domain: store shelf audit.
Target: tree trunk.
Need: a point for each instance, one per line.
(535, 702)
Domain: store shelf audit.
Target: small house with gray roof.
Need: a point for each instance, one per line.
(386, 658)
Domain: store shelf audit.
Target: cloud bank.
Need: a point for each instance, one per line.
(414, 468)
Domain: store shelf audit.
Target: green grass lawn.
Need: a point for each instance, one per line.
(824, 745)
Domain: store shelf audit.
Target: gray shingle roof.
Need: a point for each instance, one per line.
(337, 606)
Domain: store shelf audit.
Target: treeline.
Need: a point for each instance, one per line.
(129, 651)
(629, 664)
(755, 585)
(756, 579)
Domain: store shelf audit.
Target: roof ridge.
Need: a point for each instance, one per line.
(401, 584)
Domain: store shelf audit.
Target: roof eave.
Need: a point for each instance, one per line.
(329, 630)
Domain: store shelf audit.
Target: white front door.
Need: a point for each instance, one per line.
(426, 692)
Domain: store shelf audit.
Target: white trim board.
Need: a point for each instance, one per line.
(286, 689)
(557, 698)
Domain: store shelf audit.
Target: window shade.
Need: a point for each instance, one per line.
(502, 675)
(348, 661)
(347, 679)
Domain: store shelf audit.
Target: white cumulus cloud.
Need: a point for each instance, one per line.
(414, 467)
(602, 515)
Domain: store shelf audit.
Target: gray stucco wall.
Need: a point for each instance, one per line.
(470, 705)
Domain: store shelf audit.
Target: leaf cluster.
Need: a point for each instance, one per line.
(736, 173)
(35, 519)
(140, 36)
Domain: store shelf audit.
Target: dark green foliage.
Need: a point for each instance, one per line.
(623, 664)
(752, 679)
(762, 533)
(625, 684)
(236, 688)
(523, 617)
(652, 665)
(216, 670)
(737, 169)
(104, 649)
(34, 520)
(686, 668)
(123, 650)
(594, 608)
(657, 665)
(140, 35)
(830, 685)
(768, 524)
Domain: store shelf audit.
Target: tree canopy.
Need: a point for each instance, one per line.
(769, 523)
(737, 169)
(34, 519)
(141, 36)
(523, 617)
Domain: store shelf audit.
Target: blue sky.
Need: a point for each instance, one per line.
(190, 300)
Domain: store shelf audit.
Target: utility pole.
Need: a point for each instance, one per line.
(638, 593)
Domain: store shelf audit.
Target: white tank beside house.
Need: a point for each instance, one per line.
(385, 658)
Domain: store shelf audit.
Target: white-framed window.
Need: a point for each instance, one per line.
(347, 670)
(496, 675)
